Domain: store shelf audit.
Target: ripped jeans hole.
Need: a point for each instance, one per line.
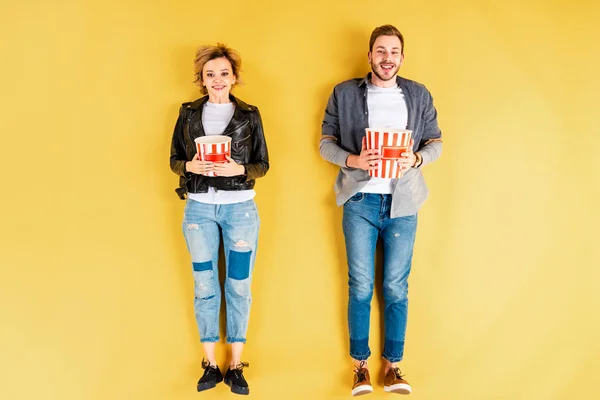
(192, 227)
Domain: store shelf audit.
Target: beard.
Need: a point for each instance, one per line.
(392, 72)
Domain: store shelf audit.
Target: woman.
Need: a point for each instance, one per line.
(224, 203)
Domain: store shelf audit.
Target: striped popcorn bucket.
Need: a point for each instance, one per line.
(391, 143)
(213, 148)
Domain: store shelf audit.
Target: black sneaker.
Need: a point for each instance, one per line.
(212, 376)
(234, 378)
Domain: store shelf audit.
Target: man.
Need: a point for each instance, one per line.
(377, 207)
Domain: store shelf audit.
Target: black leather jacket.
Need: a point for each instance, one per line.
(248, 147)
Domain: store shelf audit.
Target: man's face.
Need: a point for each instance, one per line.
(217, 77)
(385, 58)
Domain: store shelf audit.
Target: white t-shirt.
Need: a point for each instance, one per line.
(215, 118)
(387, 109)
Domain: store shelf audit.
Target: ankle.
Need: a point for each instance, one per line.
(390, 365)
(209, 363)
(238, 365)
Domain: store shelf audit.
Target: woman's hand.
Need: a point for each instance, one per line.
(230, 168)
(199, 167)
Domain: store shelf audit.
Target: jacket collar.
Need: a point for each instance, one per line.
(196, 105)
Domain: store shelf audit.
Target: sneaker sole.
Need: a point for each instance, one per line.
(208, 385)
(238, 389)
(362, 389)
(205, 386)
(400, 388)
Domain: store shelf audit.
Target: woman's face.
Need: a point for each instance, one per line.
(217, 77)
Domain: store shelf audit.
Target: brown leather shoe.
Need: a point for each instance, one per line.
(395, 383)
(362, 381)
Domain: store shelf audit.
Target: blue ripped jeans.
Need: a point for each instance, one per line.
(367, 218)
(239, 225)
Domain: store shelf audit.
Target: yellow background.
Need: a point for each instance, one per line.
(95, 284)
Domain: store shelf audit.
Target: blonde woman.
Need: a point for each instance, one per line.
(220, 206)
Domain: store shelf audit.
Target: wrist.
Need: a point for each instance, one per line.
(350, 161)
(418, 160)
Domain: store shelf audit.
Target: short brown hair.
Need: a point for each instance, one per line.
(206, 53)
(386, 30)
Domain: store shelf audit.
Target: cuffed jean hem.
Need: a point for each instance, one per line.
(209, 339)
(360, 357)
(359, 349)
(235, 340)
(392, 359)
(393, 350)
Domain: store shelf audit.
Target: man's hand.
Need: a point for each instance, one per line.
(199, 167)
(230, 168)
(367, 160)
(408, 158)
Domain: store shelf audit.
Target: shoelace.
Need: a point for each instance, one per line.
(239, 369)
(360, 374)
(397, 373)
(206, 364)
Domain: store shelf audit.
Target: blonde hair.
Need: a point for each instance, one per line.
(206, 53)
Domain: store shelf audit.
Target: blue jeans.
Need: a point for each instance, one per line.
(239, 225)
(366, 217)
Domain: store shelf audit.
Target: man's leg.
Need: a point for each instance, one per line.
(360, 232)
(398, 241)
(361, 216)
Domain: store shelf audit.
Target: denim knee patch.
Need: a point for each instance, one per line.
(239, 264)
(203, 266)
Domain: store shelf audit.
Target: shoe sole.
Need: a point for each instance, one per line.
(400, 388)
(362, 389)
(207, 385)
(238, 389)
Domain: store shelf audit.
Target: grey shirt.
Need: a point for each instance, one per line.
(346, 118)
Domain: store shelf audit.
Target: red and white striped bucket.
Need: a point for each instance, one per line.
(213, 148)
(391, 143)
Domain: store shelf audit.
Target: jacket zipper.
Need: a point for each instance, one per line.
(242, 125)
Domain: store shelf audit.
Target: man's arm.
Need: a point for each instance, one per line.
(330, 135)
(430, 147)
